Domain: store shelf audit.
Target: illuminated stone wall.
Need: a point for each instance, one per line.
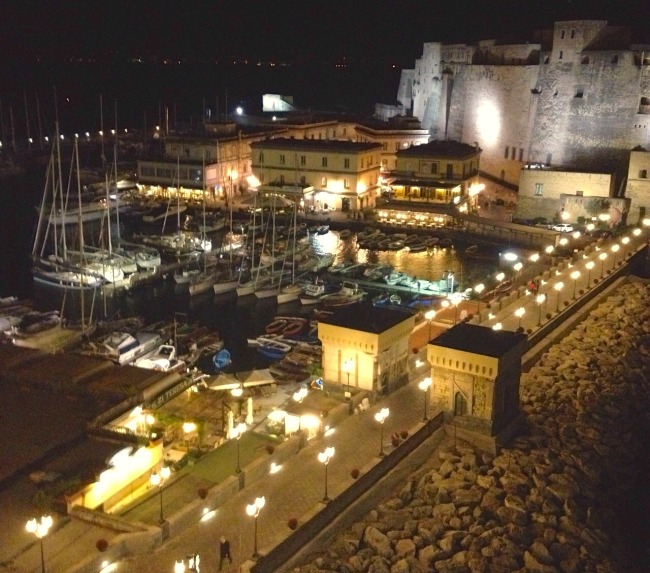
(578, 105)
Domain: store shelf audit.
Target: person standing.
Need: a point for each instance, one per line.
(224, 551)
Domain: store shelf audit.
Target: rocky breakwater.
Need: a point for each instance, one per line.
(562, 498)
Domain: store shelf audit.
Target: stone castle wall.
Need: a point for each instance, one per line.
(576, 107)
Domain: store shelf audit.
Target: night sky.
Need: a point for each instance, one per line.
(385, 29)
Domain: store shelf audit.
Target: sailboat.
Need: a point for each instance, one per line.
(59, 269)
(292, 291)
(179, 245)
(203, 281)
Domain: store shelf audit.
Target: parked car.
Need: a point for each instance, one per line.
(563, 228)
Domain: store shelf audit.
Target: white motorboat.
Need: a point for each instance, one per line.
(163, 359)
(123, 347)
(349, 293)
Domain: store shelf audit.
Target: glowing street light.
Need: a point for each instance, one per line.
(179, 566)
(158, 480)
(534, 258)
(519, 313)
(602, 258)
(298, 397)
(625, 241)
(575, 275)
(558, 287)
(615, 248)
(237, 433)
(40, 529)
(589, 266)
(497, 326)
(381, 418)
(541, 298)
(253, 510)
(429, 315)
(324, 458)
(424, 385)
(478, 289)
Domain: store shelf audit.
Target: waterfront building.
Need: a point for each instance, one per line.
(344, 175)
(475, 374)
(560, 194)
(222, 150)
(366, 348)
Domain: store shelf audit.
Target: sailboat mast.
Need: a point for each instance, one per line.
(117, 195)
(81, 234)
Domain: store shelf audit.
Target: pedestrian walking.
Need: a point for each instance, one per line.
(224, 551)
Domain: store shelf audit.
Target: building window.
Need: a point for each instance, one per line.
(384, 146)
(434, 168)
(303, 180)
(580, 92)
(585, 60)
(643, 174)
(514, 153)
(539, 187)
(561, 54)
(282, 159)
(346, 163)
(397, 146)
(573, 33)
(614, 59)
(303, 160)
(562, 35)
(506, 153)
(521, 154)
(323, 161)
(323, 181)
(450, 170)
(261, 157)
(346, 183)
(281, 179)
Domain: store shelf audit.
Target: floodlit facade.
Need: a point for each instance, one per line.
(370, 343)
(344, 175)
(576, 95)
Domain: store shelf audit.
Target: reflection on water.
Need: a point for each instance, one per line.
(429, 265)
(237, 320)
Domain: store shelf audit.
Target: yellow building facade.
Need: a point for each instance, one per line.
(366, 348)
(345, 175)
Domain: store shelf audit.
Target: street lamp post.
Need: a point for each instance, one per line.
(40, 528)
(237, 432)
(158, 480)
(381, 418)
(478, 289)
(429, 315)
(324, 458)
(299, 396)
(540, 301)
(517, 268)
(348, 365)
(424, 385)
(575, 275)
(253, 509)
(558, 287)
(589, 266)
(602, 258)
(519, 313)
